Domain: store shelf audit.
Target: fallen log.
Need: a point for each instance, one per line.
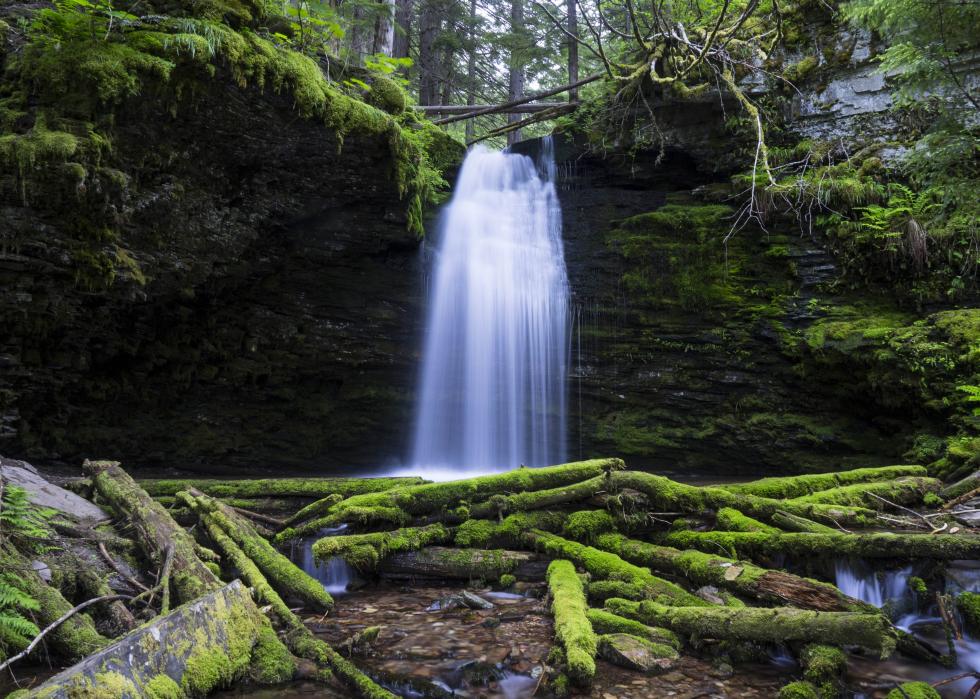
(731, 520)
(72, 639)
(792, 523)
(878, 545)
(299, 639)
(511, 532)
(961, 487)
(572, 627)
(602, 564)
(275, 487)
(156, 531)
(439, 562)
(288, 578)
(398, 505)
(669, 495)
(604, 621)
(765, 625)
(785, 487)
(908, 491)
(741, 577)
(365, 551)
(501, 505)
(192, 651)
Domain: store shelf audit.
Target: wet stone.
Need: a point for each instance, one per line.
(635, 654)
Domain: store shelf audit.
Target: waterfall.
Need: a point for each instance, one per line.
(867, 585)
(495, 357)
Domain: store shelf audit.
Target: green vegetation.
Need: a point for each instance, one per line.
(572, 626)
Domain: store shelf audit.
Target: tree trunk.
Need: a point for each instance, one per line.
(770, 586)
(430, 23)
(572, 28)
(752, 544)
(471, 72)
(156, 531)
(384, 29)
(775, 625)
(516, 83)
(798, 486)
(402, 42)
(438, 562)
(285, 576)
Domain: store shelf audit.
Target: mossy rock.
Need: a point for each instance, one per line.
(639, 654)
(914, 690)
(386, 95)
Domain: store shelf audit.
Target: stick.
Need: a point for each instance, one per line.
(278, 523)
(119, 569)
(514, 103)
(911, 512)
(56, 623)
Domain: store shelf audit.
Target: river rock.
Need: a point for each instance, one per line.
(46, 494)
(474, 601)
(638, 654)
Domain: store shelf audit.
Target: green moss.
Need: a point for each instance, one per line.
(801, 69)
(572, 627)
(825, 667)
(277, 487)
(387, 95)
(932, 500)
(798, 486)
(506, 581)
(969, 605)
(602, 564)
(400, 504)
(731, 520)
(798, 690)
(271, 662)
(606, 622)
(163, 687)
(908, 491)
(914, 690)
(586, 525)
(382, 543)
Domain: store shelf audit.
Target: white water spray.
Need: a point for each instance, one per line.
(495, 361)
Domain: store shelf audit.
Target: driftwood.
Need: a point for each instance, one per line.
(437, 562)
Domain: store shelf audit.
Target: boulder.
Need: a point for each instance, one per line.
(43, 493)
(635, 653)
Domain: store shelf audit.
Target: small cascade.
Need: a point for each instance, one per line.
(336, 575)
(874, 587)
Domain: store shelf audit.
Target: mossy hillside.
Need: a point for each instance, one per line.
(77, 77)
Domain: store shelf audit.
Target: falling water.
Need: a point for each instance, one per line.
(334, 574)
(496, 348)
(857, 580)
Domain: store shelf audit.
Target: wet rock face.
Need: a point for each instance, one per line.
(682, 352)
(266, 312)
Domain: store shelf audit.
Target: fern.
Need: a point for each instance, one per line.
(23, 521)
(16, 630)
(973, 395)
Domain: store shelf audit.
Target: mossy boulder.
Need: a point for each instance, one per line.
(387, 95)
(639, 654)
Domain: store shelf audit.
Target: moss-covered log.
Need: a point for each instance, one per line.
(365, 551)
(300, 639)
(501, 505)
(157, 532)
(879, 545)
(785, 487)
(275, 487)
(766, 625)
(285, 576)
(73, 639)
(440, 562)
(398, 505)
(191, 652)
(961, 487)
(741, 577)
(668, 495)
(572, 626)
(731, 520)
(604, 621)
(602, 564)
(511, 532)
(908, 492)
(793, 523)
